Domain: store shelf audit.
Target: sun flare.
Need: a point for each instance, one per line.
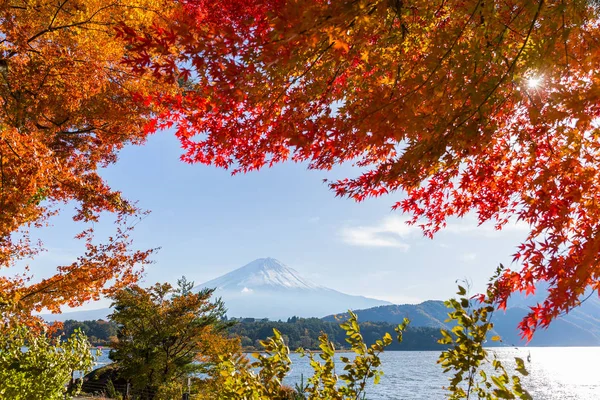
(534, 82)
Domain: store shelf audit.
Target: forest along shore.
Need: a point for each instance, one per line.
(297, 332)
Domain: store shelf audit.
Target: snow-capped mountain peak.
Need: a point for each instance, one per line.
(261, 273)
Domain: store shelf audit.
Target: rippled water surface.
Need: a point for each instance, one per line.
(556, 373)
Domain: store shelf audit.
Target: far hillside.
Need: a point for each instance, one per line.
(430, 313)
(580, 327)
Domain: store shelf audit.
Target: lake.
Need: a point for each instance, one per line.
(556, 373)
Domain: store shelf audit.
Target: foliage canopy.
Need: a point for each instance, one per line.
(468, 106)
(67, 105)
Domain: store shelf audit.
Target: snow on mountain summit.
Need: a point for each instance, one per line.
(261, 273)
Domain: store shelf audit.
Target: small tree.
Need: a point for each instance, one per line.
(468, 359)
(35, 366)
(166, 334)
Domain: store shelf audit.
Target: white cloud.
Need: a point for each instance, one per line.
(391, 232)
(247, 290)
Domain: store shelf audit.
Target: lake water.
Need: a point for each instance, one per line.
(556, 373)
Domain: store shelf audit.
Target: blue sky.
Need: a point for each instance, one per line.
(208, 222)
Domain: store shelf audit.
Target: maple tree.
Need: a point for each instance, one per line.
(67, 105)
(466, 105)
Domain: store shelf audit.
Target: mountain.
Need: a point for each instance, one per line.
(266, 288)
(580, 327)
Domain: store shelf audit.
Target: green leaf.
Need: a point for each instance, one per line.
(521, 366)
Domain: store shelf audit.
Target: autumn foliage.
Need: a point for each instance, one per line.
(67, 106)
(467, 106)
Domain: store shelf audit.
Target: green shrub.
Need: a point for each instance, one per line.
(34, 366)
(467, 357)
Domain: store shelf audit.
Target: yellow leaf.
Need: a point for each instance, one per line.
(341, 45)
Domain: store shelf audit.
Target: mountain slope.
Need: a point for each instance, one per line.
(430, 313)
(580, 327)
(266, 288)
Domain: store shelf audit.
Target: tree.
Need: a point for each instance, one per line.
(468, 106)
(67, 106)
(466, 357)
(98, 332)
(167, 334)
(44, 369)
